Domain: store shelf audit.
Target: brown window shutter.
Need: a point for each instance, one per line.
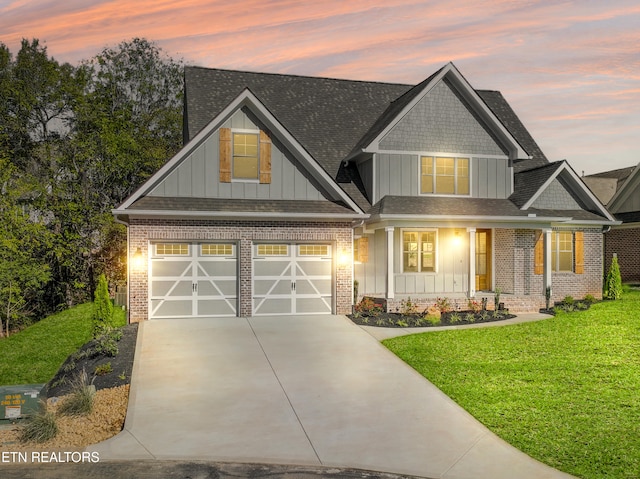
(363, 249)
(579, 256)
(265, 157)
(538, 253)
(225, 155)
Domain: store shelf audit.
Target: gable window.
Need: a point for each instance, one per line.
(419, 251)
(245, 156)
(444, 175)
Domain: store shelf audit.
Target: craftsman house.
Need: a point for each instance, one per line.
(293, 194)
(619, 190)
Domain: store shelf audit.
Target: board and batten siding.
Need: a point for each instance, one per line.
(399, 175)
(198, 176)
(452, 274)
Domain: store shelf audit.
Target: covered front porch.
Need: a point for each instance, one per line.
(465, 263)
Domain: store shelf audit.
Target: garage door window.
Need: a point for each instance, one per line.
(273, 250)
(313, 250)
(216, 250)
(172, 249)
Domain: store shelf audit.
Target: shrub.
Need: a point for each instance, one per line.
(408, 307)
(613, 282)
(102, 308)
(107, 343)
(80, 400)
(590, 299)
(443, 305)
(433, 320)
(368, 307)
(496, 299)
(103, 369)
(41, 426)
(568, 300)
(454, 318)
(474, 306)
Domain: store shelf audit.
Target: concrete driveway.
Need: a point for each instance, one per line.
(307, 390)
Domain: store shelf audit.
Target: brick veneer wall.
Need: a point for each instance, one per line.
(514, 261)
(141, 232)
(625, 242)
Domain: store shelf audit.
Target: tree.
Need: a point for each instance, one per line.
(613, 282)
(79, 140)
(22, 241)
(102, 308)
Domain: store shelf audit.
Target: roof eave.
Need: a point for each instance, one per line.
(245, 215)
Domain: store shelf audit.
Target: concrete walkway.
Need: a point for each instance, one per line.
(317, 391)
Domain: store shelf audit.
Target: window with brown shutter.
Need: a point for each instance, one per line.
(265, 157)
(579, 257)
(538, 253)
(363, 249)
(245, 156)
(225, 155)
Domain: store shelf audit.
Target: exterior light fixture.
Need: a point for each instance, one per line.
(457, 239)
(137, 261)
(343, 258)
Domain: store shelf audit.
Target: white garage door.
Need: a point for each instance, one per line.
(292, 279)
(192, 279)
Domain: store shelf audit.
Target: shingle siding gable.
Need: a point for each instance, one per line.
(442, 122)
(556, 196)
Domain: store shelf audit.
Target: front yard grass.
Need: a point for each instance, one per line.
(34, 355)
(565, 390)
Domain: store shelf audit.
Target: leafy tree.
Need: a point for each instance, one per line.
(78, 141)
(613, 282)
(22, 241)
(102, 308)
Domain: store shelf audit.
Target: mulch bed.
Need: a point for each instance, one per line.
(452, 318)
(86, 359)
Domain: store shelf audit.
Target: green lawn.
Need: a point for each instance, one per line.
(34, 355)
(565, 390)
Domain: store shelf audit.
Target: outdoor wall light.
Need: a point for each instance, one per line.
(343, 258)
(457, 239)
(137, 261)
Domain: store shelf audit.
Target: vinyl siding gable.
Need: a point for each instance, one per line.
(199, 175)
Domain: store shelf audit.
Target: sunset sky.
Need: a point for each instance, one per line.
(570, 69)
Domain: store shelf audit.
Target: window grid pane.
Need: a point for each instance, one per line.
(444, 175)
(245, 156)
(426, 168)
(216, 249)
(178, 249)
(313, 250)
(273, 250)
(419, 251)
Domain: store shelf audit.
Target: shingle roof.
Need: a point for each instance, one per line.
(528, 182)
(499, 106)
(620, 175)
(328, 117)
(220, 205)
(449, 207)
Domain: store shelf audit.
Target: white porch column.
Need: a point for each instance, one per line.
(547, 260)
(472, 261)
(390, 278)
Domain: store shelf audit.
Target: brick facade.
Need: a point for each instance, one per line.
(514, 262)
(625, 242)
(244, 233)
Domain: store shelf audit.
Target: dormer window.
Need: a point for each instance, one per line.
(444, 175)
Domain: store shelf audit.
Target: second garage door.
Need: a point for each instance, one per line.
(192, 279)
(292, 279)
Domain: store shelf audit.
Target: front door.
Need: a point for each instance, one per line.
(483, 260)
